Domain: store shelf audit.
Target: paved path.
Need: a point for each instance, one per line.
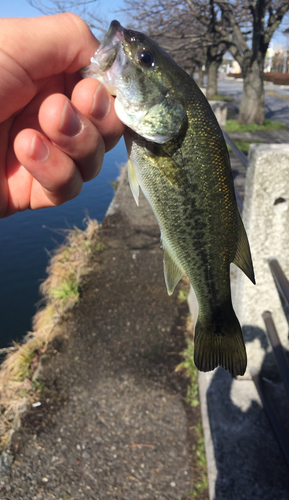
(114, 424)
(276, 106)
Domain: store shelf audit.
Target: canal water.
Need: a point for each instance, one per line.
(27, 239)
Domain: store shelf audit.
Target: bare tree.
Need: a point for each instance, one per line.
(170, 24)
(248, 41)
(215, 48)
(244, 27)
(205, 14)
(84, 8)
(198, 32)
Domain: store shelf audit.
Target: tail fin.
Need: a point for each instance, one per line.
(220, 346)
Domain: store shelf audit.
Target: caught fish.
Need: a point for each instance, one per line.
(178, 156)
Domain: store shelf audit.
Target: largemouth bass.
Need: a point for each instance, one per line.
(178, 156)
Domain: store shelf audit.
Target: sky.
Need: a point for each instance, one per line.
(17, 8)
(21, 8)
(107, 9)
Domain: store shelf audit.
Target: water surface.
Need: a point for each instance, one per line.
(28, 237)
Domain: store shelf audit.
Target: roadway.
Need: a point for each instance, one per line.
(276, 98)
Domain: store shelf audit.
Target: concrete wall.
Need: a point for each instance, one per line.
(242, 452)
(266, 218)
(220, 109)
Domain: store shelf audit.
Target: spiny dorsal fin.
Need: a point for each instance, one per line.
(133, 181)
(173, 272)
(243, 257)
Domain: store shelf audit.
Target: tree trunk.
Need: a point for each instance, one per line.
(212, 79)
(190, 70)
(214, 59)
(252, 108)
(201, 76)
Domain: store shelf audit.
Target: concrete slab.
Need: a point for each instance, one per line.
(266, 218)
(220, 109)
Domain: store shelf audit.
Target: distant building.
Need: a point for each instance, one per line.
(268, 59)
(236, 67)
(229, 65)
(276, 59)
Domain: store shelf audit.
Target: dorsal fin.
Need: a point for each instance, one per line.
(243, 257)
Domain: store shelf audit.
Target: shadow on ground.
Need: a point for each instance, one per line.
(250, 463)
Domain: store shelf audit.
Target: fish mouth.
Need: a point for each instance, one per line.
(110, 60)
(109, 47)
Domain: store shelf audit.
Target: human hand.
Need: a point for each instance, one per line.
(54, 127)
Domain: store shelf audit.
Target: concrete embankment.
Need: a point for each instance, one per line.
(245, 461)
(113, 422)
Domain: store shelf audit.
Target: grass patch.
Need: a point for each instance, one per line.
(221, 97)
(233, 126)
(187, 366)
(243, 145)
(114, 185)
(183, 295)
(201, 477)
(200, 488)
(67, 289)
(19, 373)
(190, 371)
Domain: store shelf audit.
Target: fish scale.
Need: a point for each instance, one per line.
(178, 156)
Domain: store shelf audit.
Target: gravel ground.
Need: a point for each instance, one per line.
(112, 423)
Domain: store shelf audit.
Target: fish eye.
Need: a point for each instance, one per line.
(146, 58)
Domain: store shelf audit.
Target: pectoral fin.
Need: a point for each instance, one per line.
(167, 167)
(133, 181)
(173, 272)
(243, 257)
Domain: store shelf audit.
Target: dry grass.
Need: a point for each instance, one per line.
(19, 384)
(189, 370)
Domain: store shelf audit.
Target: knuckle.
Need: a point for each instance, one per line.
(78, 22)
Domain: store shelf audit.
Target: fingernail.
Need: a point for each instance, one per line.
(39, 151)
(101, 103)
(70, 123)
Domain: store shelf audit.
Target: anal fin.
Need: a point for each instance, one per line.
(243, 257)
(133, 181)
(172, 271)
